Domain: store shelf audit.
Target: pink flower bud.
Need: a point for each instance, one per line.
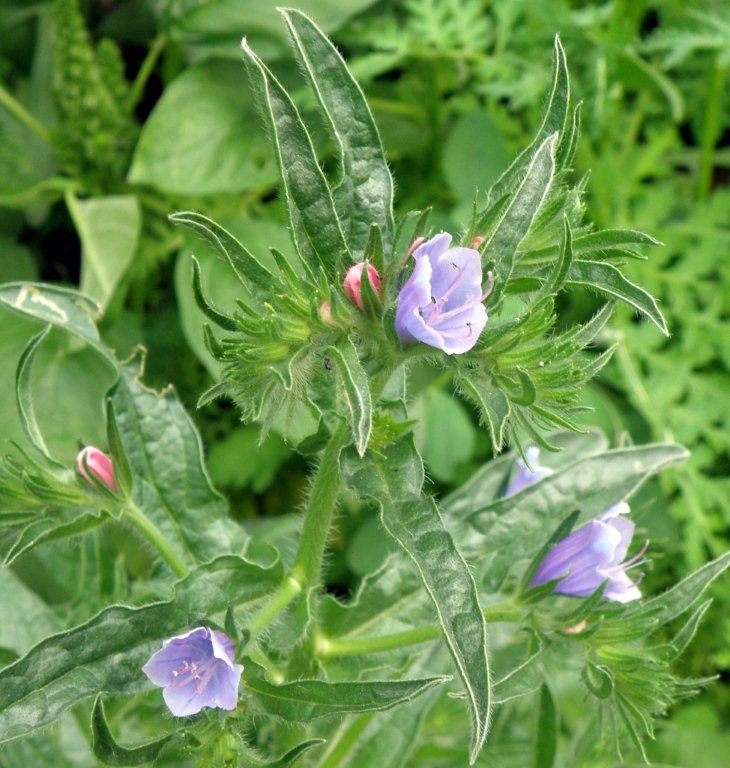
(352, 280)
(92, 461)
(476, 243)
(325, 314)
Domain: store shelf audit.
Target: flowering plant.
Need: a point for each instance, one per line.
(260, 664)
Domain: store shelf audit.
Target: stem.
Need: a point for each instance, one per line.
(318, 516)
(331, 648)
(20, 113)
(288, 590)
(134, 515)
(709, 130)
(145, 70)
(305, 572)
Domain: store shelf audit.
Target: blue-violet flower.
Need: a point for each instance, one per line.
(593, 555)
(196, 670)
(527, 475)
(441, 302)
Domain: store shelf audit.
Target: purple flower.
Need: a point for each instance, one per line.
(441, 302)
(527, 475)
(593, 555)
(196, 670)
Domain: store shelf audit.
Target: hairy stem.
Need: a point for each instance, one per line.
(331, 648)
(135, 517)
(305, 572)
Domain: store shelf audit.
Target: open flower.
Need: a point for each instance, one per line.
(91, 461)
(196, 670)
(594, 555)
(441, 302)
(527, 475)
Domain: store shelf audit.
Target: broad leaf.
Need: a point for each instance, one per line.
(58, 306)
(315, 225)
(365, 193)
(202, 136)
(592, 485)
(171, 484)
(109, 229)
(106, 654)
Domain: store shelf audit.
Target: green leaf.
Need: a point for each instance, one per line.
(365, 192)
(493, 405)
(417, 526)
(546, 742)
(253, 275)
(222, 321)
(517, 524)
(214, 29)
(306, 700)
(110, 752)
(294, 754)
(106, 654)
(171, 485)
(356, 391)
(200, 140)
(60, 307)
(523, 680)
(605, 278)
(554, 121)
(109, 229)
(445, 434)
(393, 481)
(26, 618)
(315, 224)
(682, 596)
(517, 217)
(24, 394)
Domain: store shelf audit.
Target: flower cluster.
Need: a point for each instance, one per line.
(591, 556)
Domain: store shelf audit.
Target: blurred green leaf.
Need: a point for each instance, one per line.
(203, 136)
(109, 229)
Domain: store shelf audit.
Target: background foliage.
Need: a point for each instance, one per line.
(118, 116)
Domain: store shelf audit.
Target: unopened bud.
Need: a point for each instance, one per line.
(325, 314)
(476, 243)
(352, 281)
(93, 462)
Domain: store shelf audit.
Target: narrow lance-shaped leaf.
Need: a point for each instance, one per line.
(107, 749)
(554, 121)
(516, 220)
(356, 391)
(220, 319)
(316, 227)
(494, 406)
(546, 738)
(607, 279)
(108, 651)
(365, 193)
(393, 480)
(251, 273)
(306, 700)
